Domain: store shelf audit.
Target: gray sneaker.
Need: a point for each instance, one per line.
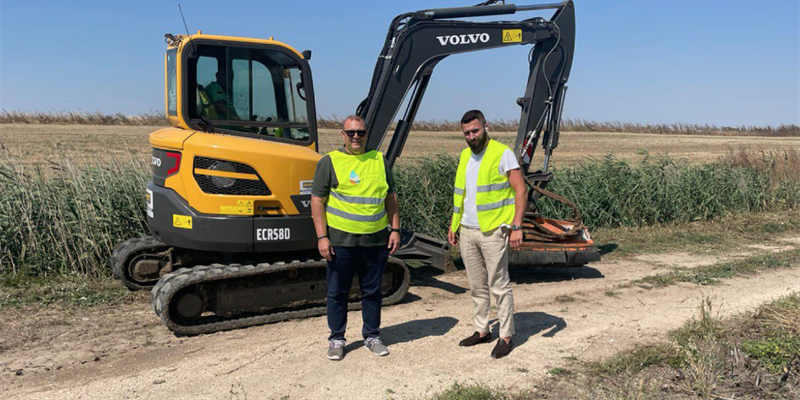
(335, 349)
(376, 346)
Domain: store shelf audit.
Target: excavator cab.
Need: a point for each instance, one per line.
(238, 86)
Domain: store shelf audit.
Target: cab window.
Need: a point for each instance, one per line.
(172, 82)
(261, 90)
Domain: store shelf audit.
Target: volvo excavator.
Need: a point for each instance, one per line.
(232, 241)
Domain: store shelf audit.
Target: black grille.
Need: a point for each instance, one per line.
(208, 163)
(244, 187)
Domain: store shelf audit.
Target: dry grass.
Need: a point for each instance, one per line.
(156, 118)
(751, 356)
(577, 147)
(152, 118)
(775, 317)
(36, 144)
(780, 163)
(583, 125)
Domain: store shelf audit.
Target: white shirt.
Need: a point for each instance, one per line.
(507, 163)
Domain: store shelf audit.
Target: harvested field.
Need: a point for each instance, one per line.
(39, 144)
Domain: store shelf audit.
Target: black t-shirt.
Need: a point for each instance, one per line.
(324, 181)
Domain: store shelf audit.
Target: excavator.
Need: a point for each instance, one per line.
(232, 242)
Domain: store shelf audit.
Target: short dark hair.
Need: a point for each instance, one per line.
(356, 118)
(472, 115)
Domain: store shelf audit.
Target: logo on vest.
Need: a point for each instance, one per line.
(354, 179)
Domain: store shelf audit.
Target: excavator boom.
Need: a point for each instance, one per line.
(418, 41)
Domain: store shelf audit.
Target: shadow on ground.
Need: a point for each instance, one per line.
(410, 298)
(607, 248)
(427, 276)
(550, 274)
(528, 324)
(411, 330)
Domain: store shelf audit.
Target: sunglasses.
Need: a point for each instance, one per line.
(353, 133)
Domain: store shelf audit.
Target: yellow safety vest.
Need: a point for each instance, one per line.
(494, 197)
(357, 204)
(208, 108)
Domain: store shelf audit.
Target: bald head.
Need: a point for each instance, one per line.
(352, 119)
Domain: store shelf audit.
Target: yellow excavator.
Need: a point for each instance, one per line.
(232, 241)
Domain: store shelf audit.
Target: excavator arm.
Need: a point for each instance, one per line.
(418, 41)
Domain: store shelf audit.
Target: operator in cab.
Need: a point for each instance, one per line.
(357, 221)
(219, 99)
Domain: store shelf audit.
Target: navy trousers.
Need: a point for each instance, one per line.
(369, 263)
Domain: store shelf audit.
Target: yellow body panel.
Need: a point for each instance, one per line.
(170, 138)
(283, 168)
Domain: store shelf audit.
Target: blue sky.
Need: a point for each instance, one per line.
(717, 62)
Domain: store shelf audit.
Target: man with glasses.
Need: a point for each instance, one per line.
(357, 220)
(489, 203)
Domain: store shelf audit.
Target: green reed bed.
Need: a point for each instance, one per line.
(612, 193)
(69, 220)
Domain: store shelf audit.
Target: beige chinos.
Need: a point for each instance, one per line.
(485, 256)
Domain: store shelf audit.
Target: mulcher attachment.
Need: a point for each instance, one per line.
(573, 250)
(551, 242)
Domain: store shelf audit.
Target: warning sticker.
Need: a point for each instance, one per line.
(305, 187)
(512, 35)
(182, 221)
(149, 203)
(244, 207)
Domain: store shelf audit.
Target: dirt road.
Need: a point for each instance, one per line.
(124, 352)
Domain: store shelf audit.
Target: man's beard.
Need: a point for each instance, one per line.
(477, 147)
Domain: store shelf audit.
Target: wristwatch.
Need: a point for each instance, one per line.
(515, 227)
(396, 230)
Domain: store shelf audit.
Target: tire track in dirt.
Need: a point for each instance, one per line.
(286, 360)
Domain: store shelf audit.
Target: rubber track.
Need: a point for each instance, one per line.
(173, 282)
(124, 251)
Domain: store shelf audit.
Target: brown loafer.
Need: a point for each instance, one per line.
(475, 339)
(501, 349)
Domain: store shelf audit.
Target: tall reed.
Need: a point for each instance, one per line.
(612, 193)
(69, 220)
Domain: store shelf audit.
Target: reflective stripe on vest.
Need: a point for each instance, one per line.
(494, 195)
(356, 205)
